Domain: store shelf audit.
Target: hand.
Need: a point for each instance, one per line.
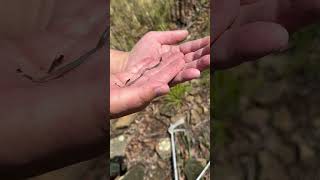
(133, 88)
(249, 29)
(70, 35)
(154, 44)
(71, 108)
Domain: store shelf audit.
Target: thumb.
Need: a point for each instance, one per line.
(169, 37)
(129, 100)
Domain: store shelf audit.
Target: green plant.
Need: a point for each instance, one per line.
(176, 95)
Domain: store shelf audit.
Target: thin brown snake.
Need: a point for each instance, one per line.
(54, 74)
(129, 82)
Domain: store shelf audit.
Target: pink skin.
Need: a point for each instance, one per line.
(154, 44)
(258, 27)
(125, 99)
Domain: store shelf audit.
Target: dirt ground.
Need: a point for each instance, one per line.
(276, 131)
(151, 125)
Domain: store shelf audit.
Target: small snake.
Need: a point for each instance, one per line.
(54, 74)
(129, 82)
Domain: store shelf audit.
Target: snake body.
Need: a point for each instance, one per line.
(72, 65)
(129, 82)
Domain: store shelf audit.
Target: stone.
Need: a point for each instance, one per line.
(118, 146)
(190, 98)
(158, 173)
(269, 93)
(178, 118)
(228, 171)
(270, 167)
(117, 167)
(275, 64)
(135, 173)
(282, 120)
(256, 117)
(163, 148)
(195, 117)
(244, 103)
(307, 154)
(192, 169)
(124, 122)
(285, 151)
(316, 123)
(198, 99)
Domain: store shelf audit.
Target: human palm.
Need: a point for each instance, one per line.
(155, 44)
(133, 88)
(71, 31)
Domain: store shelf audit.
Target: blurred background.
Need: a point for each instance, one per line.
(140, 144)
(267, 116)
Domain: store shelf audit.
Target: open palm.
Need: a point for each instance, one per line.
(154, 44)
(132, 89)
(70, 32)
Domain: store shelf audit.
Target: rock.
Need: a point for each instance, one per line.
(192, 169)
(256, 117)
(198, 99)
(124, 122)
(270, 168)
(195, 117)
(269, 93)
(178, 118)
(118, 146)
(307, 154)
(158, 173)
(117, 167)
(316, 123)
(249, 165)
(168, 111)
(205, 109)
(282, 120)
(285, 152)
(190, 98)
(135, 173)
(197, 108)
(163, 148)
(228, 171)
(244, 103)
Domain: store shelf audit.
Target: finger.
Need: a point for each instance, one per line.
(200, 64)
(167, 60)
(168, 37)
(186, 75)
(195, 45)
(292, 15)
(198, 54)
(249, 42)
(128, 100)
(258, 11)
(223, 14)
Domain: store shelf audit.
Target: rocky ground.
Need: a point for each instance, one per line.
(143, 139)
(276, 131)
